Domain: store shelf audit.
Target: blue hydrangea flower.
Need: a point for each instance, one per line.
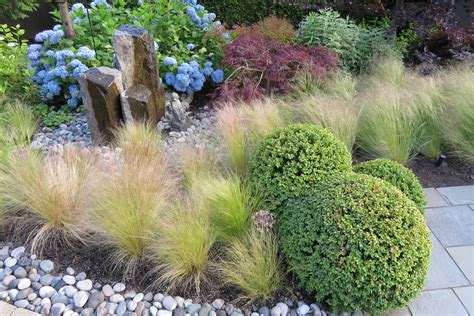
(190, 46)
(63, 54)
(225, 36)
(74, 90)
(34, 48)
(217, 76)
(78, 7)
(75, 63)
(78, 71)
(182, 82)
(73, 102)
(96, 3)
(61, 72)
(85, 52)
(170, 78)
(184, 68)
(170, 61)
(33, 55)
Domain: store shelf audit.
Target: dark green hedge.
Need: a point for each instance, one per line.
(245, 12)
(356, 243)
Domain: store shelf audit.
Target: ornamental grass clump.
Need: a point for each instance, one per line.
(254, 266)
(233, 131)
(182, 251)
(293, 159)
(17, 126)
(230, 206)
(138, 141)
(397, 175)
(336, 114)
(133, 196)
(356, 243)
(458, 121)
(389, 125)
(429, 102)
(48, 198)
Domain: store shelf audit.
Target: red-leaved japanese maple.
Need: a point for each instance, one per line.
(262, 66)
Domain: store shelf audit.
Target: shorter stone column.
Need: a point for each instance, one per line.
(101, 88)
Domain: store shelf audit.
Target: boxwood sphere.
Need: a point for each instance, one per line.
(357, 243)
(293, 159)
(397, 175)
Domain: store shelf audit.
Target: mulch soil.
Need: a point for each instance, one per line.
(450, 173)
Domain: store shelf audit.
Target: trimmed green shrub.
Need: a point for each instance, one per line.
(357, 244)
(246, 12)
(397, 175)
(293, 159)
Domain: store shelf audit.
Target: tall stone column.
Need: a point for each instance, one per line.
(136, 58)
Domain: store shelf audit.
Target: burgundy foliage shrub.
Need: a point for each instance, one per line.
(262, 66)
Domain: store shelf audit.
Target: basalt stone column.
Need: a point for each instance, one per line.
(101, 88)
(136, 58)
(135, 101)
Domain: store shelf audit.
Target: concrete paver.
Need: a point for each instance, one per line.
(434, 198)
(443, 271)
(462, 195)
(466, 295)
(452, 225)
(438, 302)
(464, 258)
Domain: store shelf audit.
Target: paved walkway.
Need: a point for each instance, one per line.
(449, 290)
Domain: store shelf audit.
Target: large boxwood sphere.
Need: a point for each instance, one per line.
(293, 159)
(356, 243)
(397, 175)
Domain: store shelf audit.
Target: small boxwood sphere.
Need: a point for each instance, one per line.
(293, 159)
(357, 243)
(396, 174)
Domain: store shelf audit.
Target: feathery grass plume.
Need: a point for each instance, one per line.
(129, 206)
(262, 116)
(458, 121)
(389, 70)
(389, 125)
(230, 123)
(230, 206)
(138, 140)
(17, 126)
(253, 265)
(341, 84)
(427, 98)
(133, 196)
(305, 83)
(182, 251)
(49, 198)
(337, 115)
(197, 164)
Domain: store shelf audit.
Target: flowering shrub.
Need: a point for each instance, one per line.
(186, 55)
(13, 63)
(270, 28)
(261, 66)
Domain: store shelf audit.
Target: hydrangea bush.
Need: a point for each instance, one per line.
(188, 43)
